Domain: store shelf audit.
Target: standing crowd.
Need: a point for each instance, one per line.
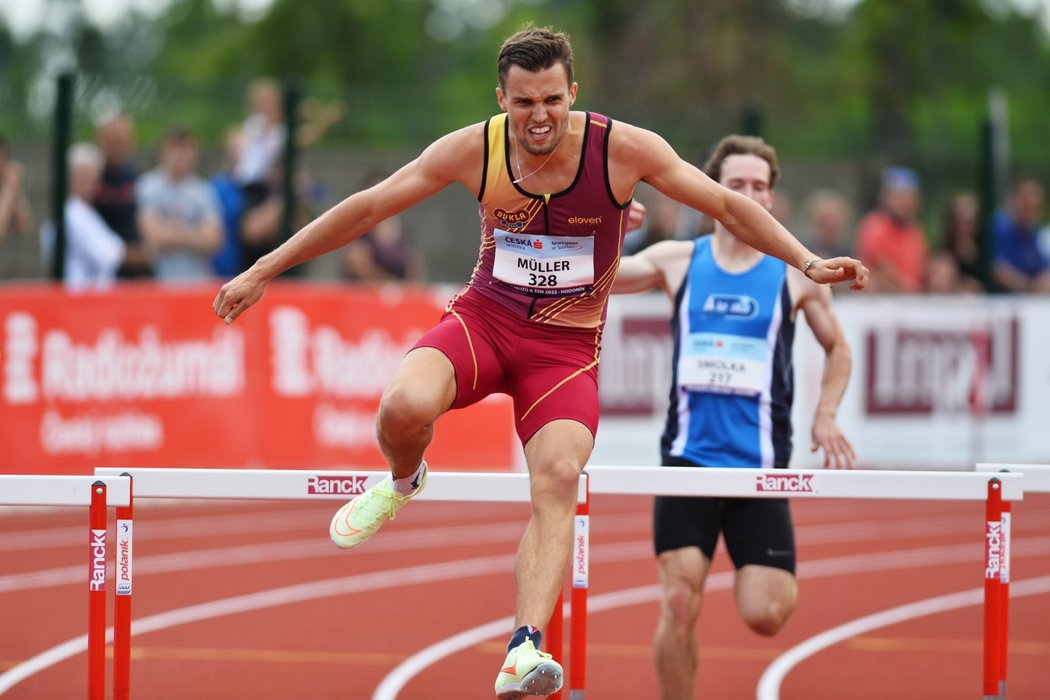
(171, 223)
(904, 257)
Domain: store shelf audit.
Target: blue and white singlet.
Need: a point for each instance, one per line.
(732, 383)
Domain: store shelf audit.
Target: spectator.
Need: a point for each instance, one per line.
(115, 199)
(383, 254)
(890, 240)
(956, 265)
(227, 261)
(261, 224)
(15, 213)
(1019, 264)
(943, 275)
(94, 251)
(264, 134)
(262, 140)
(258, 168)
(1044, 241)
(828, 218)
(179, 214)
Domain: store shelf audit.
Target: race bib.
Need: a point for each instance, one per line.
(544, 265)
(722, 363)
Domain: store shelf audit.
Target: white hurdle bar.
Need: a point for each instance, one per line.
(307, 485)
(98, 494)
(1036, 476)
(800, 483)
(51, 490)
(310, 485)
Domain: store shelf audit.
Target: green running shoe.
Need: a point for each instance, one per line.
(362, 517)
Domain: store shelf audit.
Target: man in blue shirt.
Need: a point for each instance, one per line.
(732, 386)
(1020, 265)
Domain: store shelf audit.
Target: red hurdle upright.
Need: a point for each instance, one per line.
(580, 583)
(994, 605)
(97, 527)
(555, 636)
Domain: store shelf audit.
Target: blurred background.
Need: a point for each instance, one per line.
(934, 113)
(842, 88)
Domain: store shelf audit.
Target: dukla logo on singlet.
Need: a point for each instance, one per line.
(511, 220)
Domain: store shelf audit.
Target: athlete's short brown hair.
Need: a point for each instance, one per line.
(535, 49)
(737, 145)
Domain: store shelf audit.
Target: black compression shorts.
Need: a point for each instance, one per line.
(755, 530)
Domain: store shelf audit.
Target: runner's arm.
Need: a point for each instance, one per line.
(648, 157)
(454, 157)
(816, 304)
(660, 266)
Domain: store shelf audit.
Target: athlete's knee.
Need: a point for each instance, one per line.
(403, 410)
(768, 617)
(556, 480)
(680, 607)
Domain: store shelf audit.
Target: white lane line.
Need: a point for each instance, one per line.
(488, 565)
(380, 580)
(423, 538)
(206, 525)
(267, 599)
(393, 683)
(769, 683)
(314, 547)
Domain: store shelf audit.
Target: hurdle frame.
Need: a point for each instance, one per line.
(97, 494)
(1036, 480)
(265, 484)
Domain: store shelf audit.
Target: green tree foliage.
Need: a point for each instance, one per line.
(907, 78)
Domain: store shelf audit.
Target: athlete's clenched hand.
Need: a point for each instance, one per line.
(237, 295)
(838, 270)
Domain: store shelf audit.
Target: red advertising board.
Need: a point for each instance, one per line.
(148, 376)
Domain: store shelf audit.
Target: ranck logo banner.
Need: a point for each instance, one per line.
(149, 376)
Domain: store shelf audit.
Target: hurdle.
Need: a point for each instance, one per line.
(299, 485)
(262, 484)
(97, 494)
(1036, 480)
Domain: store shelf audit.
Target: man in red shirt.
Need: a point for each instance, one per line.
(891, 240)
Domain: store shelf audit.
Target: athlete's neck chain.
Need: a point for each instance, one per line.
(517, 157)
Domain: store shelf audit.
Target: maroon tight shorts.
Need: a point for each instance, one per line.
(551, 372)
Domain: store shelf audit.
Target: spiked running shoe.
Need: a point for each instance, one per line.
(362, 517)
(528, 671)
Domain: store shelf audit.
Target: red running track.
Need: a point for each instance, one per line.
(293, 617)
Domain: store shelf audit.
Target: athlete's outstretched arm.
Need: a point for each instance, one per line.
(456, 157)
(815, 302)
(660, 266)
(636, 273)
(642, 155)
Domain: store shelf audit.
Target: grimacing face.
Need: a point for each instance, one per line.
(537, 105)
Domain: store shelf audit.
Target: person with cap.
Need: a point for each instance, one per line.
(890, 239)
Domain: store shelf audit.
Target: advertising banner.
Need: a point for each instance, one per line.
(937, 382)
(149, 376)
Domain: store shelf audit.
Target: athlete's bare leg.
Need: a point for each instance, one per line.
(423, 387)
(675, 650)
(556, 455)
